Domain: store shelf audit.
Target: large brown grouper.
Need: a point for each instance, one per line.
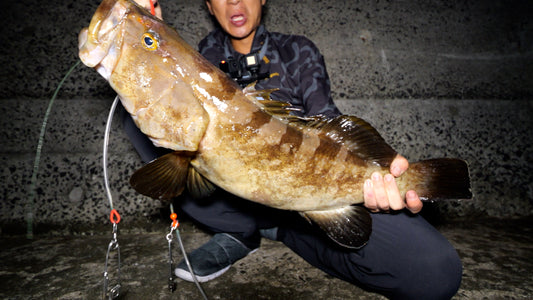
(240, 140)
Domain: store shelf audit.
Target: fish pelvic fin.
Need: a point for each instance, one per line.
(163, 178)
(348, 226)
(439, 179)
(198, 186)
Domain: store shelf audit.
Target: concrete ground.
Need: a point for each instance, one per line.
(497, 257)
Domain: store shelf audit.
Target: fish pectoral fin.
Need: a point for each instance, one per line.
(348, 226)
(163, 178)
(198, 185)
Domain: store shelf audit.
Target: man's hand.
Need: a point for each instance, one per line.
(381, 192)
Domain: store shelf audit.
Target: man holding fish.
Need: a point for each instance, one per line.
(405, 256)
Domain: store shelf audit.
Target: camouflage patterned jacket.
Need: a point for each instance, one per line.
(294, 63)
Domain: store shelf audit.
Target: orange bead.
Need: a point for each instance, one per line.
(114, 217)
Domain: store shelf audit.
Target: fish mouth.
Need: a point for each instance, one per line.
(99, 44)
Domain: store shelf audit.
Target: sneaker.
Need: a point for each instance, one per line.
(269, 233)
(213, 258)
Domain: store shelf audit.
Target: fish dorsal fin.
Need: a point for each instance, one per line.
(359, 136)
(276, 108)
(163, 178)
(348, 226)
(254, 94)
(198, 185)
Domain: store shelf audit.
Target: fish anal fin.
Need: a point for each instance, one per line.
(348, 226)
(163, 178)
(198, 186)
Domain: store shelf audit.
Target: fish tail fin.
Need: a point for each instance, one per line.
(348, 226)
(439, 179)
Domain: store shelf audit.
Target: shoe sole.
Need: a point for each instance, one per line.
(187, 276)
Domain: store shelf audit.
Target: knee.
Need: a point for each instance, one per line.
(432, 276)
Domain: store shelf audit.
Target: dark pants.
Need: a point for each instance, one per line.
(405, 258)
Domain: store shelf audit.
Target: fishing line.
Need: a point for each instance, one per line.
(174, 227)
(33, 183)
(180, 242)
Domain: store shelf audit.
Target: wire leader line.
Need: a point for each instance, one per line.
(104, 151)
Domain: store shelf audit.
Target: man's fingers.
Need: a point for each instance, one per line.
(399, 165)
(395, 200)
(379, 192)
(370, 200)
(413, 202)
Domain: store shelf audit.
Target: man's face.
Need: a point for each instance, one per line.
(239, 18)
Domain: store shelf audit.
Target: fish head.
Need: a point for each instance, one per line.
(148, 64)
(99, 43)
(123, 43)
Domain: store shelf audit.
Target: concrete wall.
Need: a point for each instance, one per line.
(437, 78)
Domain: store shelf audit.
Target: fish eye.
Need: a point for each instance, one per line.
(150, 41)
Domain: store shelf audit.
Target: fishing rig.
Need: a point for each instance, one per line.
(111, 289)
(114, 217)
